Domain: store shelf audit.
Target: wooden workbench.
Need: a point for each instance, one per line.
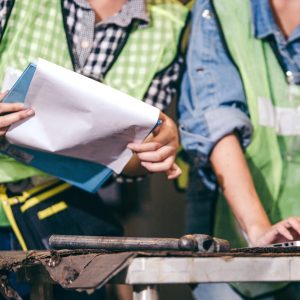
(146, 271)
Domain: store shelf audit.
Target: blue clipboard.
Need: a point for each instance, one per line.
(86, 175)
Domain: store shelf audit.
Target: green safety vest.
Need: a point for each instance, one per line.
(36, 29)
(275, 173)
(181, 182)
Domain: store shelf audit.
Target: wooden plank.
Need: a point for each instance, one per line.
(212, 269)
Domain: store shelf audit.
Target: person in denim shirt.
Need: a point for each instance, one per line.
(215, 121)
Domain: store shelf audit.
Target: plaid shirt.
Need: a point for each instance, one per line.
(95, 46)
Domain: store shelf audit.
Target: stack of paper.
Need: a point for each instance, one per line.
(81, 127)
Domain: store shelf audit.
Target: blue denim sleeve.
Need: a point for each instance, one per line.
(212, 102)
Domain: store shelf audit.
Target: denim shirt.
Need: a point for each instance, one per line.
(208, 109)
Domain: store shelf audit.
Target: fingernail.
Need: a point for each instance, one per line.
(29, 112)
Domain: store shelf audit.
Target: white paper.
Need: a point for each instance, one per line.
(10, 77)
(82, 118)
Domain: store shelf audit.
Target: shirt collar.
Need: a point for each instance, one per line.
(295, 34)
(132, 10)
(263, 21)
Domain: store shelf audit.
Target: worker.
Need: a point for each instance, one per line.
(239, 116)
(131, 45)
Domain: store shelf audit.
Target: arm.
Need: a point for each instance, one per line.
(208, 109)
(235, 180)
(210, 116)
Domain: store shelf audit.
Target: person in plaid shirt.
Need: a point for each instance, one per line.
(96, 32)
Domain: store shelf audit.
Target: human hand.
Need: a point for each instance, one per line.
(286, 230)
(11, 113)
(158, 152)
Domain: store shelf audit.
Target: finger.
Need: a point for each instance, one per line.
(269, 237)
(294, 233)
(295, 224)
(285, 224)
(144, 147)
(174, 172)
(10, 107)
(284, 232)
(159, 167)
(12, 118)
(157, 156)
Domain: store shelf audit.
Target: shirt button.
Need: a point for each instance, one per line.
(290, 77)
(207, 14)
(85, 44)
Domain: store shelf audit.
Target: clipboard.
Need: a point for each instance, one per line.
(35, 141)
(91, 175)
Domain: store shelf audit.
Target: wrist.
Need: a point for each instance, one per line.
(256, 231)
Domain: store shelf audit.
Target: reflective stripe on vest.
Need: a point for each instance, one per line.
(284, 120)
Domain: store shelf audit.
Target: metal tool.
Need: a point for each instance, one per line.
(193, 242)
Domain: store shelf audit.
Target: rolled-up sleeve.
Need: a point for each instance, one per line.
(212, 102)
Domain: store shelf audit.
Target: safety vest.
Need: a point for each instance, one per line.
(275, 171)
(181, 182)
(36, 29)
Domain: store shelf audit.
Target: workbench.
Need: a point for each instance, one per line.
(147, 271)
(145, 274)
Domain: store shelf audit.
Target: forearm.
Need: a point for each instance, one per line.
(235, 180)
